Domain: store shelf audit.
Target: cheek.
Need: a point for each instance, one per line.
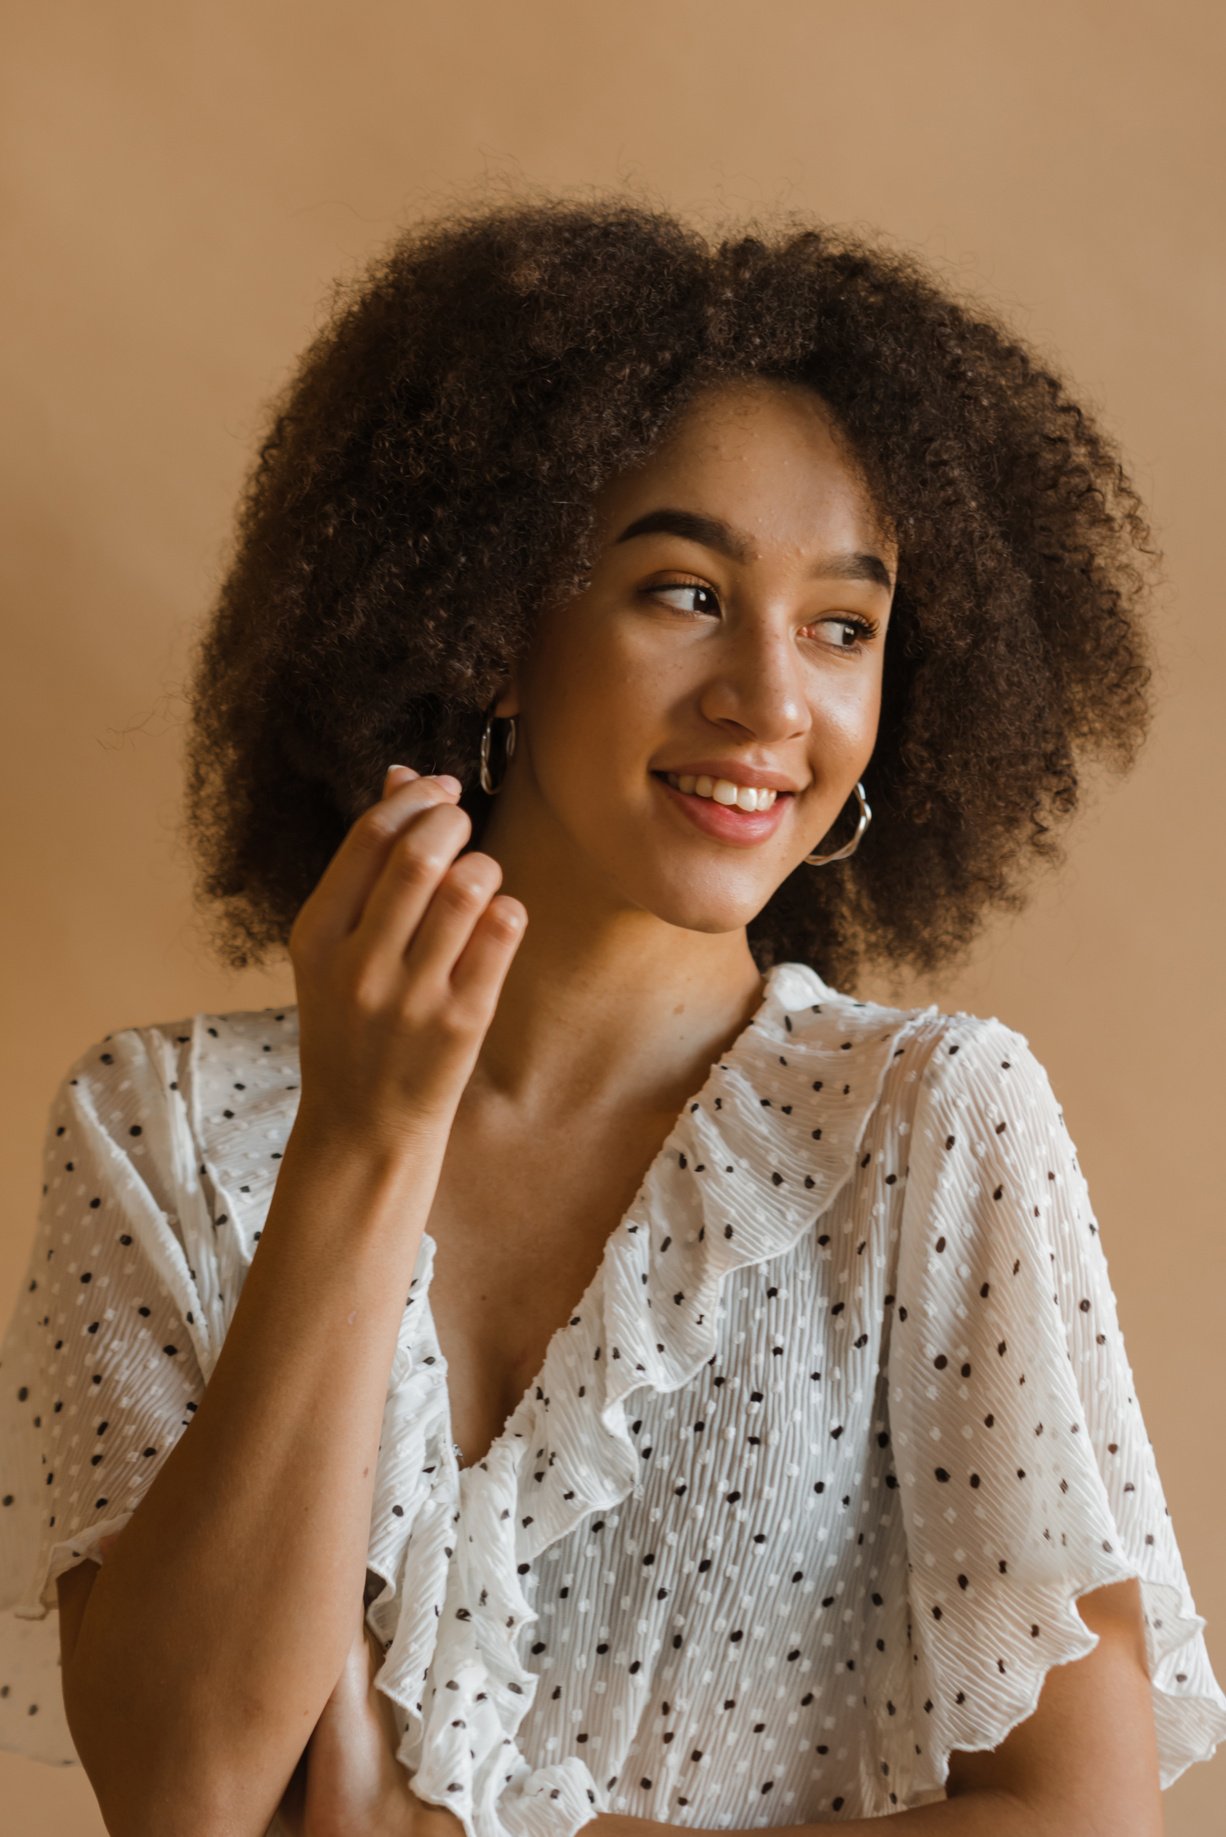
(584, 751)
(845, 722)
(596, 713)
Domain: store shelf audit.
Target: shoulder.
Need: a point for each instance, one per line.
(181, 1071)
(978, 1062)
(182, 1124)
(202, 1038)
(933, 1038)
(928, 1058)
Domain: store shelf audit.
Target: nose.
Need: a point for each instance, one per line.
(758, 681)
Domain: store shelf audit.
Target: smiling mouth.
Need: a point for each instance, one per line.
(746, 798)
(728, 822)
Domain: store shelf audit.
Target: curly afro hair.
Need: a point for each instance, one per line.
(425, 486)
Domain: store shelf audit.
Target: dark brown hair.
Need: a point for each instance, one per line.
(426, 484)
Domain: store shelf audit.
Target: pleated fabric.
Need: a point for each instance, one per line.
(802, 1499)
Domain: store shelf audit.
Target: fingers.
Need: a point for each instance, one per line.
(335, 907)
(481, 967)
(399, 957)
(421, 884)
(429, 909)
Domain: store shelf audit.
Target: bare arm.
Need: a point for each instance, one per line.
(217, 1628)
(979, 1814)
(218, 1625)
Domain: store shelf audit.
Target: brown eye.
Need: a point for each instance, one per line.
(862, 631)
(681, 586)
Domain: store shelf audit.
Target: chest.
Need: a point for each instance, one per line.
(520, 1222)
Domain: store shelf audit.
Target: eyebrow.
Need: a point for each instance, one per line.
(714, 533)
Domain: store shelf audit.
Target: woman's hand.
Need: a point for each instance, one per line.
(399, 956)
(353, 1785)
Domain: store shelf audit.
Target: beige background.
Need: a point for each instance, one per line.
(180, 186)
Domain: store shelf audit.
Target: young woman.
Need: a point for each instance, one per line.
(631, 1380)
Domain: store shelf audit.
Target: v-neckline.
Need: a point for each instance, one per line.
(510, 1432)
(752, 1162)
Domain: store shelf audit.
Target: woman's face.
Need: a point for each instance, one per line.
(735, 618)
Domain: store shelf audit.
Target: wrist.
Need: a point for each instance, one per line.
(362, 1160)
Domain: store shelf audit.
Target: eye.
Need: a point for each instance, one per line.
(682, 586)
(863, 629)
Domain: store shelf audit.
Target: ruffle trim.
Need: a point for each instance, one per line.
(981, 1656)
(798, 1084)
(1189, 1716)
(448, 1546)
(65, 1555)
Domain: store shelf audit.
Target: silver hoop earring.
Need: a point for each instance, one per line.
(848, 848)
(487, 784)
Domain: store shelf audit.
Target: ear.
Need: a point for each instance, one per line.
(507, 702)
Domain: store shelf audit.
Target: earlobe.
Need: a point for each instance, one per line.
(506, 700)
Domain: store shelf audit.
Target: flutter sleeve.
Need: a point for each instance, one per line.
(1026, 1477)
(103, 1356)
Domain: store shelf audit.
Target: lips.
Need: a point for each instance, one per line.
(760, 778)
(724, 822)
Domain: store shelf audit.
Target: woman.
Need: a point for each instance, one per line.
(593, 1320)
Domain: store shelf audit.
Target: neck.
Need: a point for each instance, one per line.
(627, 1016)
(605, 1003)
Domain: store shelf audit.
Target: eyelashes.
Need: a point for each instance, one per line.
(865, 628)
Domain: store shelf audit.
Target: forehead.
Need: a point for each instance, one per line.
(766, 456)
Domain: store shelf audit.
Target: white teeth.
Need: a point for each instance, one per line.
(723, 791)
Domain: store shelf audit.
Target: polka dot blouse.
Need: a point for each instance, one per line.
(802, 1498)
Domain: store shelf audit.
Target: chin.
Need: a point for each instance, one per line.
(716, 902)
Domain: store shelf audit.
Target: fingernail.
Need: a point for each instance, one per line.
(452, 784)
(401, 771)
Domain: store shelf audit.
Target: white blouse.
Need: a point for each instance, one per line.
(802, 1498)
